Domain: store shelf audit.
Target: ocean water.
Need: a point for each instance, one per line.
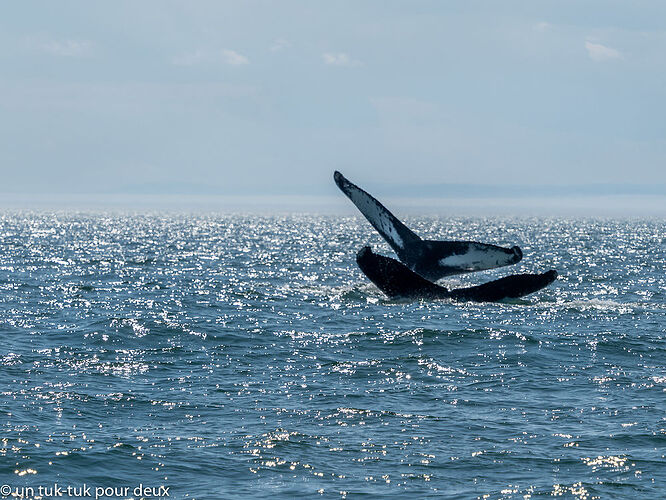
(240, 356)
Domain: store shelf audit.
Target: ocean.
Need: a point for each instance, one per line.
(234, 356)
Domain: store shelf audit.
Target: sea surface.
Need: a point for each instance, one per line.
(239, 356)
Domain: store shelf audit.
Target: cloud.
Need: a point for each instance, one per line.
(129, 97)
(340, 59)
(61, 48)
(280, 44)
(542, 26)
(233, 58)
(599, 52)
(200, 56)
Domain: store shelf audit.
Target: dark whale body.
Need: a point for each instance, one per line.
(397, 281)
(431, 259)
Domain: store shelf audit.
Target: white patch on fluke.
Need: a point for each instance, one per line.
(476, 259)
(376, 214)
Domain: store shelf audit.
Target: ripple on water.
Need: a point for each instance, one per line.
(244, 355)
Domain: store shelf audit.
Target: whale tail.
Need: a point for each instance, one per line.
(400, 237)
(444, 258)
(509, 287)
(431, 259)
(396, 280)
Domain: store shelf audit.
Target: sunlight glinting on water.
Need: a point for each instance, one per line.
(245, 355)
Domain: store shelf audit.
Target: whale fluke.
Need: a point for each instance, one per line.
(397, 281)
(399, 236)
(429, 258)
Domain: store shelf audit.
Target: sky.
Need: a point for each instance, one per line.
(414, 99)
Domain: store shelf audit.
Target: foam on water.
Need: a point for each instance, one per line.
(235, 356)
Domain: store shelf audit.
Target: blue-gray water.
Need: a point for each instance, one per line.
(236, 356)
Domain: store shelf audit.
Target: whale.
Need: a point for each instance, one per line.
(396, 280)
(430, 259)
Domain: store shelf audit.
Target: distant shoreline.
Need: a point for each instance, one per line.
(607, 205)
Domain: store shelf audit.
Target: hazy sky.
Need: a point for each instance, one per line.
(262, 97)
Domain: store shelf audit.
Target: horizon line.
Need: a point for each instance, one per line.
(337, 204)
